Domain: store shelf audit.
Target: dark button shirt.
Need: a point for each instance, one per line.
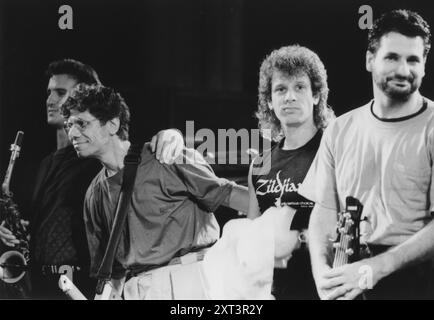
(57, 228)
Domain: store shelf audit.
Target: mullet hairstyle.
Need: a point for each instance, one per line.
(292, 60)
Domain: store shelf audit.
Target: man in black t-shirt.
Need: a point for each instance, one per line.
(292, 111)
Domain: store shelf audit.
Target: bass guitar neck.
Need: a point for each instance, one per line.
(347, 243)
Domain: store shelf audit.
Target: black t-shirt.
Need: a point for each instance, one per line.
(279, 186)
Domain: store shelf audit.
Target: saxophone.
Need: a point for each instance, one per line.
(13, 263)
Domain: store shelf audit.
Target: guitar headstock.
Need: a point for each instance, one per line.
(347, 243)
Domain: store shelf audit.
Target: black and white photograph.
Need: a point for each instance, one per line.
(239, 151)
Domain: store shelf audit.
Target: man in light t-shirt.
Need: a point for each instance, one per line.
(382, 154)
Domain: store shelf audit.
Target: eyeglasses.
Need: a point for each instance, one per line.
(80, 124)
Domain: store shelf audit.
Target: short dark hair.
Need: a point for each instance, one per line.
(405, 22)
(81, 72)
(292, 60)
(103, 103)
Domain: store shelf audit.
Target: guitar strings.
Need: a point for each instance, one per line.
(344, 255)
(341, 257)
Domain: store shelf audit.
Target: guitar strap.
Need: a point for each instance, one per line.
(131, 162)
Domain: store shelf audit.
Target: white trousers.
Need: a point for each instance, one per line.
(183, 281)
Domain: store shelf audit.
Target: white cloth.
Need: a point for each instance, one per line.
(240, 265)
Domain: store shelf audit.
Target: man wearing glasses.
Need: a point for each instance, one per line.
(58, 240)
(170, 221)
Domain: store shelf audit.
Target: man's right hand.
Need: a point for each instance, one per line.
(324, 285)
(167, 145)
(7, 237)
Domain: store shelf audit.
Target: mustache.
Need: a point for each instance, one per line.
(401, 78)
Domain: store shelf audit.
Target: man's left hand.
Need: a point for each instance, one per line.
(167, 145)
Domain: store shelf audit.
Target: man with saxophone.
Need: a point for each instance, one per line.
(57, 237)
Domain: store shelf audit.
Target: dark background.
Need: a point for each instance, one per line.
(173, 60)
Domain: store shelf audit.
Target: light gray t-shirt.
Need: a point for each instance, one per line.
(386, 164)
(170, 212)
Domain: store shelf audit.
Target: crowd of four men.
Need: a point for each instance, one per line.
(381, 153)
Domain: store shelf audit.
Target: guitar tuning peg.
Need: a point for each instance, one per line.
(349, 252)
(336, 245)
